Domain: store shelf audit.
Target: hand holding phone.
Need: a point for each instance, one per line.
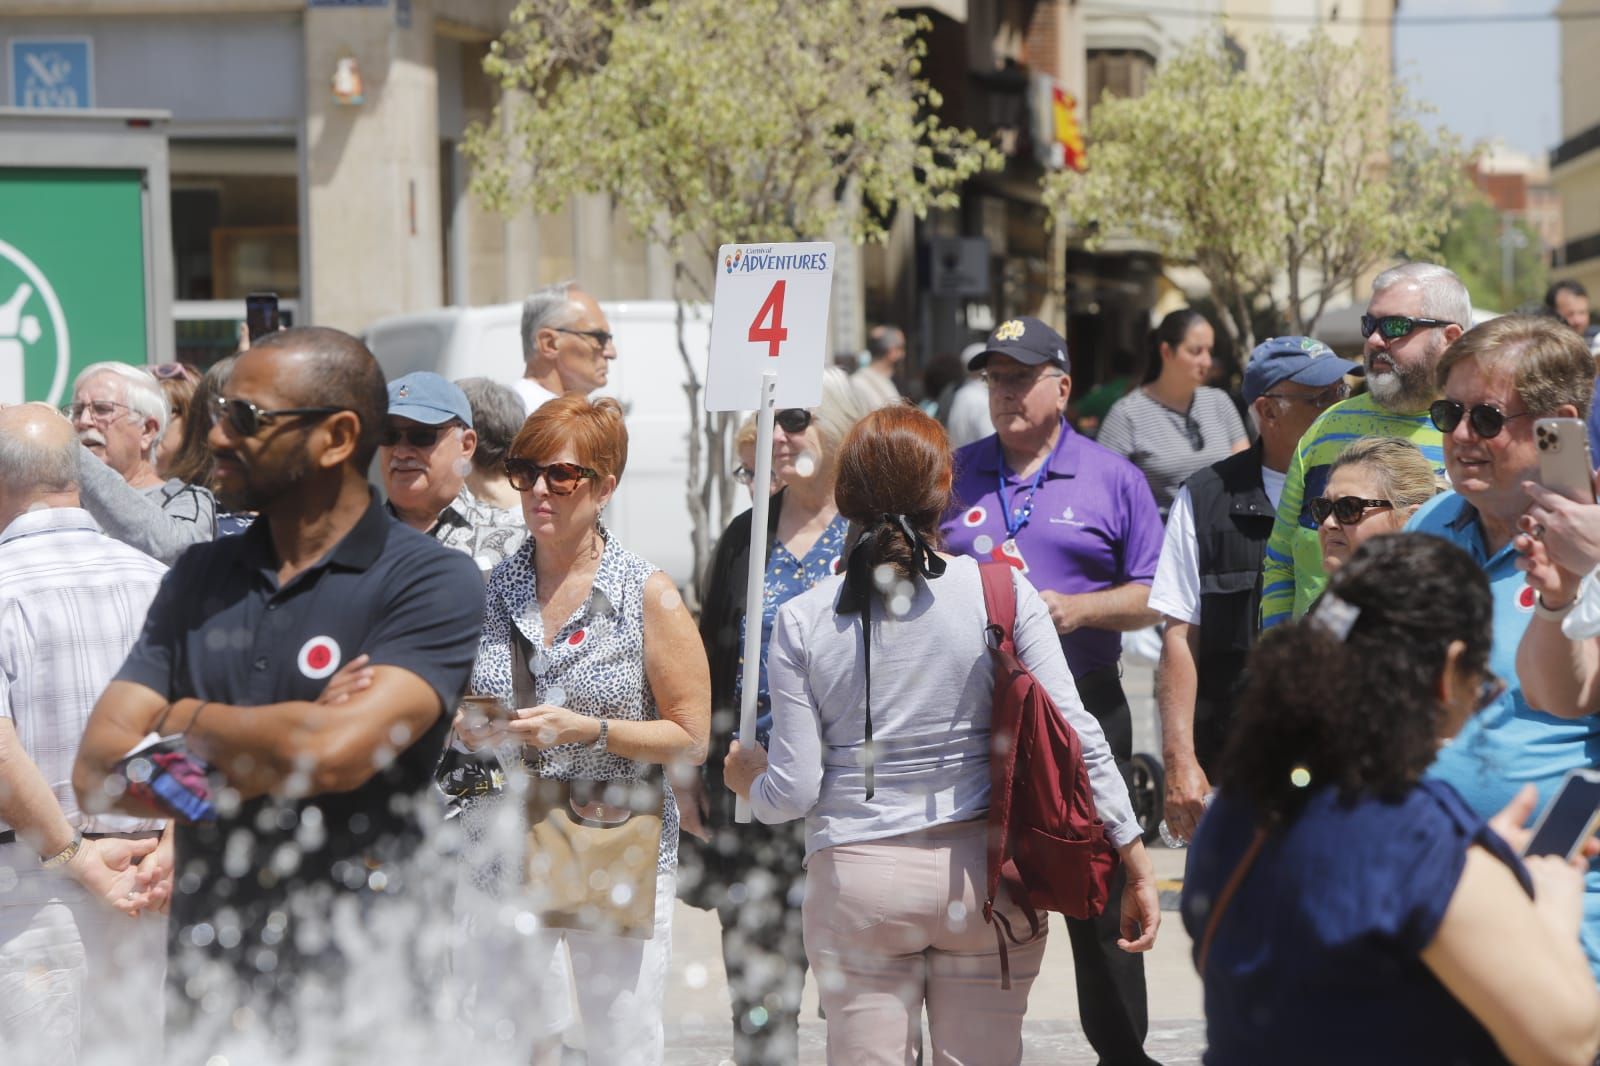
(1565, 465)
(261, 314)
(1569, 819)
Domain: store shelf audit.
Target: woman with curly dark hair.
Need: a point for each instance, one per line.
(1343, 908)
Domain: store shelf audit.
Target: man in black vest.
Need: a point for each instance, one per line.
(1208, 582)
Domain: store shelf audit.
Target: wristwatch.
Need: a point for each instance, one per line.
(599, 746)
(65, 855)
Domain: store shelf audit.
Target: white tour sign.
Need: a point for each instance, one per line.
(770, 314)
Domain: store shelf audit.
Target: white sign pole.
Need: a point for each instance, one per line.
(755, 576)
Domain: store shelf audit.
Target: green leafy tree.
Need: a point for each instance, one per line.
(1297, 173)
(1501, 260)
(719, 121)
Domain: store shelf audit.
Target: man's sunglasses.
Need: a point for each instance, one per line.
(599, 336)
(1319, 400)
(1486, 419)
(1191, 429)
(793, 419)
(246, 419)
(562, 479)
(1393, 327)
(416, 436)
(1349, 510)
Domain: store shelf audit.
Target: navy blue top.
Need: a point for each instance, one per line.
(1318, 957)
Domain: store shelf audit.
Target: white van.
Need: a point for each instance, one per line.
(650, 513)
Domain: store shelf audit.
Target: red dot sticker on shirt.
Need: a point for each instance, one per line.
(974, 517)
(577, 639)
(319, 657)
(1526, 598)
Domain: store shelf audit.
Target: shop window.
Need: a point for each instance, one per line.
(233, 234)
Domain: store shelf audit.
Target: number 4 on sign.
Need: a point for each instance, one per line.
(773, 334)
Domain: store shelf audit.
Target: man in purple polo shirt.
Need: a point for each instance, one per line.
(1080, 522)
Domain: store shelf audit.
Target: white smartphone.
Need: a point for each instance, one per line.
(1565, 465)
(1569, 818)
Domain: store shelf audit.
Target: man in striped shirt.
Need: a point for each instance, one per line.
(1417, 310)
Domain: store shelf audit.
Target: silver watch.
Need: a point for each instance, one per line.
(599, 746)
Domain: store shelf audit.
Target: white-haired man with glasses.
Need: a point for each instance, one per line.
(567, 345)
(120, 412)
(1417, 310)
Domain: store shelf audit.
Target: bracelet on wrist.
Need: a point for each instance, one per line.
(1553, 614)
(195, 717)
(65, 855)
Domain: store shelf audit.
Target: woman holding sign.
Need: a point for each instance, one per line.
(752, 873)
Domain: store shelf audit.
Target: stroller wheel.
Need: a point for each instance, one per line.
(1147, 788)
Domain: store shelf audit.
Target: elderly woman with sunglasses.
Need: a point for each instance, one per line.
(1374, 487)
(1496, 380)
(600, 677)
(1343, 907)
(752, 874)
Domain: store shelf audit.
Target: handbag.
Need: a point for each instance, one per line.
(592, 846)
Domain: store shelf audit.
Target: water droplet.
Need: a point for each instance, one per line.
(805, 464)
(1300, 777)
(983, 544)
(883, 576)
(202, 935)
(694, 975)
(670, 600)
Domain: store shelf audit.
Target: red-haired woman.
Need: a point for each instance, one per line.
(896, 844)
(594, 649)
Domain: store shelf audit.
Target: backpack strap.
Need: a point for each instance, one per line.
(866, 672)
(1226, 897)
(1000, 604)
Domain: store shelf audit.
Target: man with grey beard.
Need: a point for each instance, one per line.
(1417, 310)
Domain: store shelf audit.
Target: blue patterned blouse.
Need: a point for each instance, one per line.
(786, 578)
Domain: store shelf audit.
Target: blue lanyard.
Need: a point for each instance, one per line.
(1015, 523)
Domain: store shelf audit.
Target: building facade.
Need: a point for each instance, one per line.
(1575, 162)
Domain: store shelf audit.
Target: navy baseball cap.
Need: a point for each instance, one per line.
(428, 398)
(1028, 341)
(1303, 360)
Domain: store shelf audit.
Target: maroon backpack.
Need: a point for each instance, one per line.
(1046, 843)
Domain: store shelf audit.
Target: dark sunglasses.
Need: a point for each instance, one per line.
(599, 336)
(416, 436)
(245, 418)
(1490, 689)
(1486, 419)
(561, 479)
(1349, 510)
(793, 419)
(1319, 400)
(1191, 428)
(1393, 327)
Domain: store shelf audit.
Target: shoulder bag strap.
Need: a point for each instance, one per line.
(1226, 897)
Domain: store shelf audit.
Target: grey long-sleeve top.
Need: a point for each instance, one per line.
(161, 521)
(932, 682)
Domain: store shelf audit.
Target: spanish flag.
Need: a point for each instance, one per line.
(1068, 135)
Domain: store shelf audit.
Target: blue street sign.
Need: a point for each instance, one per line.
(52, 73)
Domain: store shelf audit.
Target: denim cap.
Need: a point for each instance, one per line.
(1303, 360)
(1028, 341)
(428, 398)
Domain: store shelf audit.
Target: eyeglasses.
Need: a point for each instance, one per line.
(744, 475)
(1016, 380)
(1491, 688)
(245, 418)
(560, 478)
(174, 371)
(1486, 419)
(416, 436)
(599, 336)
(1393, 327)
(99, 410)
(793, 419)
(1349, 510)
(1320, 400)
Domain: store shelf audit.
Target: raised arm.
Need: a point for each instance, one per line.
(1277, 573)
(130, 516)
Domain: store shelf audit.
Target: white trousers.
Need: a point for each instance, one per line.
(80, 983)
(520, 979)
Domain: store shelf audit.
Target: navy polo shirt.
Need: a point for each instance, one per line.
(1093, 526)
(222, 629)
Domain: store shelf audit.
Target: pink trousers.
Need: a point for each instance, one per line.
(896, 925)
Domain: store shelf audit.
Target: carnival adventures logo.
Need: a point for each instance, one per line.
(749, 260)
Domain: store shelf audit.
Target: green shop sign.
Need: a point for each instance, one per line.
(72, 277)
